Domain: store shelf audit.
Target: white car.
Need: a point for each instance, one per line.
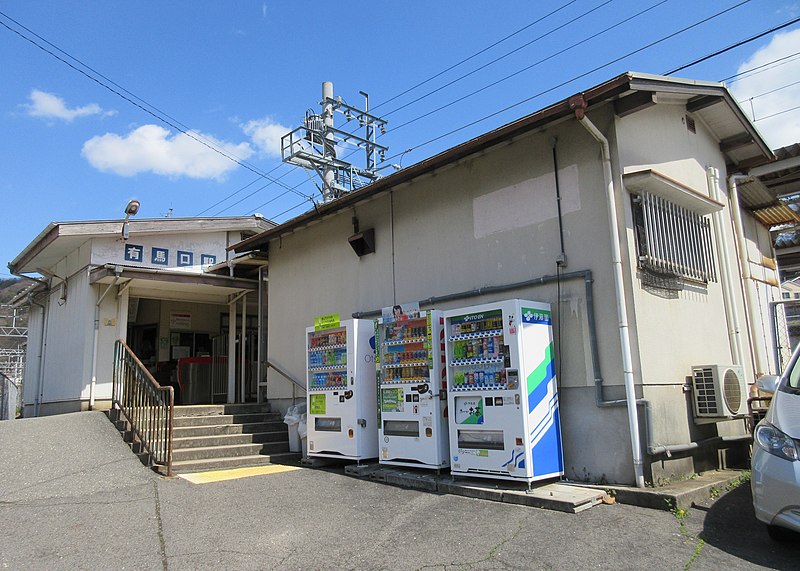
(776, 455)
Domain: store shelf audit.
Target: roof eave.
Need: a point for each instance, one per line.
(606, 91)
(44, 239)
(558, 110)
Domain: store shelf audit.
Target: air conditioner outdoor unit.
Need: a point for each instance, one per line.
(719, 391)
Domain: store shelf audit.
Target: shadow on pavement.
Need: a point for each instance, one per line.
(730, 525)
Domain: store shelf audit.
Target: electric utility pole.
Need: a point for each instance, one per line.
(318, 143)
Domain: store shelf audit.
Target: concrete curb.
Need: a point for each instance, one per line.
(680, 495)
(553, 496)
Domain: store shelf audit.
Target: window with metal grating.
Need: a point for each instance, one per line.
(672, 240)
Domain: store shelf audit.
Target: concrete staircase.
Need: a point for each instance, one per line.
(215, 437)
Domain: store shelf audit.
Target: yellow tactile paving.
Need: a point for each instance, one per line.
(234, 474)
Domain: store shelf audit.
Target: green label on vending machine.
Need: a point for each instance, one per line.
(316, 404)
(326, 322)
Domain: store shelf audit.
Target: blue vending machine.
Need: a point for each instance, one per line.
(502, 395)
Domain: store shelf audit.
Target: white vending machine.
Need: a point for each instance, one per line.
(502, 397)
(412, 428)
(342, 397)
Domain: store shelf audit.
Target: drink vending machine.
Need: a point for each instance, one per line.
(342, 397)
(412, 391)
(502, 397)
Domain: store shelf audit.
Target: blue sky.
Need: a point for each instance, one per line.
(239, 74)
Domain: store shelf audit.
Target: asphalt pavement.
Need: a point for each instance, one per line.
(73, 496)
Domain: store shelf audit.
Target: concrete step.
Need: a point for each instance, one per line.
(229, 451)
(181, 421)
(228, 439)
(220, 429)
(186, 466)
(221, 409)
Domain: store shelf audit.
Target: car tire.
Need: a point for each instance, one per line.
(777, 533)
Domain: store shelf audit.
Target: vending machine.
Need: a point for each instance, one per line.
(342, 397)
(412, 428)
(502, 397)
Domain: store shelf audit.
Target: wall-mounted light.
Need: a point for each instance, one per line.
(130, 210)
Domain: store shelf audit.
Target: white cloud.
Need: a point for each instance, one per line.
(51, 106)
(151, 148)
(266, 135)
(764, 92)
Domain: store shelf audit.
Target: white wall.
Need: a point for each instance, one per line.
(112, 250)
(67, 367)
(33, 356)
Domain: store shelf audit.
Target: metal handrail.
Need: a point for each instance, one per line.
(288, 376)
(148, 407)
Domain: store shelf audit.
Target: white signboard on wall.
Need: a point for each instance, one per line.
(180, 320)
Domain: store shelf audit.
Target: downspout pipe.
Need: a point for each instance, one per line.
(731, 313)
(622, 312)
(96, 340)
(747, 276)
(37, 400)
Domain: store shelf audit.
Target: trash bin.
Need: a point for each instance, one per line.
(292, 419)
(302, 431)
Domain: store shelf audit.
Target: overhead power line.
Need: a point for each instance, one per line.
(438, 74)
(134, 100)
(562, 84)
(771, 91)
(502, 57)
(776, 114)
(575, 78)
(476, 54)
(761, 68)
(529, 67)
(419, 84)
(734, 46)
(657, 4)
